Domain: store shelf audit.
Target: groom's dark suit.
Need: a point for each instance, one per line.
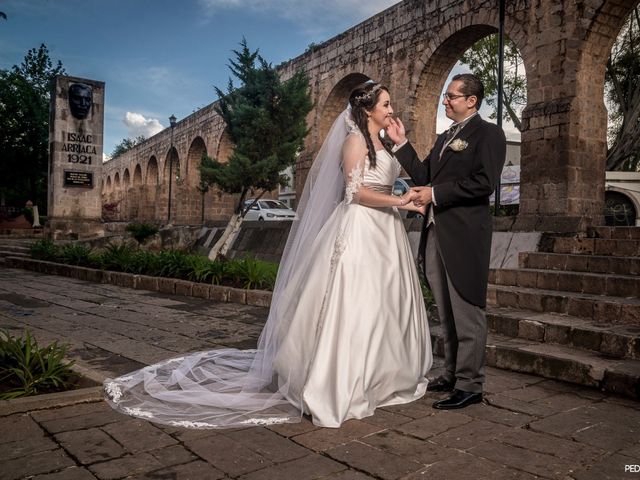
(457, 259)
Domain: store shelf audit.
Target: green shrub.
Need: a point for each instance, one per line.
(251, 273)
(173, 264)
(27, 369)
(142, 231)
(76, 254)
(44, 250)
(117, 257)
(204, 270)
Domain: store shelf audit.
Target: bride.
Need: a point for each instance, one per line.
(347, 331)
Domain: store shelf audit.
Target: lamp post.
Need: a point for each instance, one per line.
(500, 91)
(172, 121)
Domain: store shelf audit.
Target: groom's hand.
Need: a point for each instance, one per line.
(422, 196)
(395, 131)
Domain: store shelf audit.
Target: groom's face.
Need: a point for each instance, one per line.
(457, 105)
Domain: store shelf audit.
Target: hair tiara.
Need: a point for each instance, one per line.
(369, 94)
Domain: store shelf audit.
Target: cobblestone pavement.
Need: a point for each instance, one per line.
(527, 428)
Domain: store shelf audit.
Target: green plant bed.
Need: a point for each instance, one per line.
(27, 369)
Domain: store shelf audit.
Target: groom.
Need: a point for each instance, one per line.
(463, 169)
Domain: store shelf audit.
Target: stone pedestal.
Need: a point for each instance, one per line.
(75, 158)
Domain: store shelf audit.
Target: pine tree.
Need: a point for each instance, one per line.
(266, 122)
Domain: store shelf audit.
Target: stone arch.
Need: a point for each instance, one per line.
(151, 177)
(108, 187)
(172, 161)
(126, 179)
(137, 176)
(196, 151)
(337, 101)
(436, 65)
(116, 181)
(225, 147)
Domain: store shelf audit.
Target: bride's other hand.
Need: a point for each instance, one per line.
(395, 131)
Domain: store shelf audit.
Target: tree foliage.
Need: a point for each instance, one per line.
(127, 144)
(482, 59)
(623, 96)
(266, 122)
(24, 127)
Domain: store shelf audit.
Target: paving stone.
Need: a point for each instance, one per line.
(87, 420)
(138, 435)
(18, 427)
(427, 427)
(418, 409)
(422, 451)
(502, 401)
(73, 473)
(600, 425)
(90, 446)
(269, 444)
(469, 466)
(173, 455)
(198, 470)
(563, 402)
(609, 468)
(378, 463)
(517, 458)
(530, 393)
(41, 462)
(305, 468)
(348, 475)
(469, 435)
(24, 447)
(125, 466)
(550, 445)
(227, 455)
(293, 429)
(385, 419)
(326, 438)
(486, 412)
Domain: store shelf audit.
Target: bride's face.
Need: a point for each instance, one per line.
(382, 112)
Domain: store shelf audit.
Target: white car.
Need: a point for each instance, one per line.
(268, 210)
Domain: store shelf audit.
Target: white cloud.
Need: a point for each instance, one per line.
(138, 125)
(312, 14)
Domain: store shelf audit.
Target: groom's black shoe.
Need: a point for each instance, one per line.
(459, 399)
(440, 384)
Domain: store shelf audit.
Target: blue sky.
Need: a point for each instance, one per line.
(162, 57)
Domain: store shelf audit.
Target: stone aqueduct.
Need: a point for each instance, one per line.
(411, 47)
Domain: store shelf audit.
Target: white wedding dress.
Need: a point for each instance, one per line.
(347, 331)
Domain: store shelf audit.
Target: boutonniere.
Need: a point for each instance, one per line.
(458, 145)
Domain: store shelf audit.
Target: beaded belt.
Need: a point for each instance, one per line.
(378, 187)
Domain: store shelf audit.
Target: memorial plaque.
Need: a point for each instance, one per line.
(78, 179)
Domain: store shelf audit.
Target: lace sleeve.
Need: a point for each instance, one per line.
(354, 154)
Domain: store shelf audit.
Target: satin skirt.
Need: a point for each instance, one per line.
(359, 336)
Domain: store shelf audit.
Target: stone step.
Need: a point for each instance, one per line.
(15, 233)
(580, 263)
(7, 247)
(4, 252)
(623, 233)
(616, 341)
(558, 362)
(580, 282)
(591, 246)
(598, 308)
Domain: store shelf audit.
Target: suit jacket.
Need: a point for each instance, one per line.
(462, 181)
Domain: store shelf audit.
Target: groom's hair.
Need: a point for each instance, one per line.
(471, 85)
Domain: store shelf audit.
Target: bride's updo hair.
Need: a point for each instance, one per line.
(363, 99)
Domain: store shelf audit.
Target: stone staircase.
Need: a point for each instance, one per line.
(16, 244)
(571, 311)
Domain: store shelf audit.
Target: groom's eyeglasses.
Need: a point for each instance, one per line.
(451, 96)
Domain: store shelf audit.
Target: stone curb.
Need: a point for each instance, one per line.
(218, 293)
(51, 400)
(58, 399)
